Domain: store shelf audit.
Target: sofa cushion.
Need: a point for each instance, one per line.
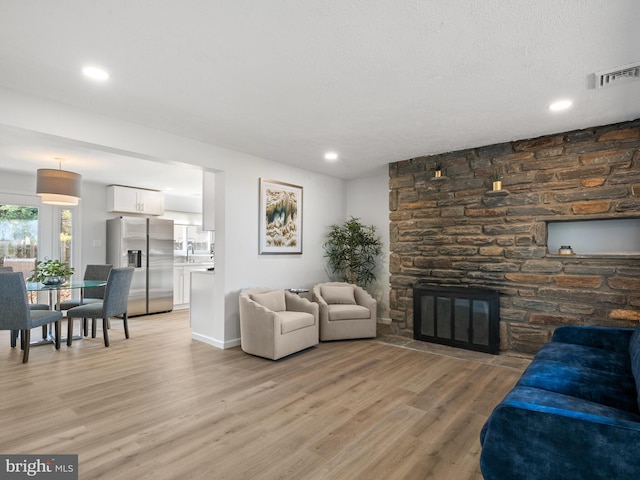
(606, 388)
(338, 294)
(583, 356)
(273, 300)
(290, 321)
(634, 353)
(348, 312)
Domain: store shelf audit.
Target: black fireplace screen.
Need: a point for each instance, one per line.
(457, 316)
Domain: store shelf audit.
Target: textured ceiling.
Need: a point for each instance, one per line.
(375, 80)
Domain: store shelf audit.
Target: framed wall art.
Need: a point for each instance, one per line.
(280, 227)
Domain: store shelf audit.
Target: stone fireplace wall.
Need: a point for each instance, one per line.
(454, 231)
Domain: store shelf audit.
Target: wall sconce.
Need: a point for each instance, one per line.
(58, 187)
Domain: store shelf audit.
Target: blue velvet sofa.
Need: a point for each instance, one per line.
(574, 414)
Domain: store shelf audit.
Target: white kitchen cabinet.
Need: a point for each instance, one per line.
(182, 282)
(178, 286)
(134, 200)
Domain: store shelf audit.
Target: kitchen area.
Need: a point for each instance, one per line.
(193, 251)
(167, 239)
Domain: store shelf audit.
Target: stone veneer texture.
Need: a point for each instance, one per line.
(454, 231)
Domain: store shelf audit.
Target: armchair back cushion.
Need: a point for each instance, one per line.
(343, 295)
(273, 300)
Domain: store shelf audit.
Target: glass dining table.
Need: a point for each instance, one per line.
(54, 295)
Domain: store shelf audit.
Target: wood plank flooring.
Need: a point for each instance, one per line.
(163, 406)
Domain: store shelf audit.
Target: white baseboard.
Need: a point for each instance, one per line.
(215, 342)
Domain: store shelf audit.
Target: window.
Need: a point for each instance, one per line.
(18, 237)
(30, 230)
(66, 235)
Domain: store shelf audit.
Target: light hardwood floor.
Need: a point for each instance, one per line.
(163, 406)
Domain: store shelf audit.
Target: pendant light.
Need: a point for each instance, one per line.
(58, 187)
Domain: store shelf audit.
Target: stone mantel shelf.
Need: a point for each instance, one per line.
(596, 256)
(497, 193)
(438, 179)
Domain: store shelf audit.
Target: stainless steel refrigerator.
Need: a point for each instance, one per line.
(147, 245)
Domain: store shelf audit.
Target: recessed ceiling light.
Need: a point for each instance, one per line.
(331, 156)
(96, 73)
(560, 105)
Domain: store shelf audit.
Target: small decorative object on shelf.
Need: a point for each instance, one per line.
(438, 170)
(565, 250)
(497, 179)
(51, 272)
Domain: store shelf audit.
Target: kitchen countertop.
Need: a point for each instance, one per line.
(204, 265)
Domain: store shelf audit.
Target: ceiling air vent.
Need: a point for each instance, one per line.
(606, 78)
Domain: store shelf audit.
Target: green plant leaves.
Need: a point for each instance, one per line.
(353, 251)
(50, 268)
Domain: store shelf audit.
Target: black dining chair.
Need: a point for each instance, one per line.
(116, 298)
(15, 314)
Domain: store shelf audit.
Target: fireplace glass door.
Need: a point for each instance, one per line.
(461, 317)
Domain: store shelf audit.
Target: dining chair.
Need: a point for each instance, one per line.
(32, 306)
(15, 314)
(116, 298)
(91, 294)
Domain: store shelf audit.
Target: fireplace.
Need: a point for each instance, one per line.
(462, 317)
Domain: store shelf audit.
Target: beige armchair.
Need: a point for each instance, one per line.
(346, 311)
(276, 323)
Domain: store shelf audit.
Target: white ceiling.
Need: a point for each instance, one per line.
(375, 80)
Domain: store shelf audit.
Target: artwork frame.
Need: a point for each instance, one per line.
(280, 221)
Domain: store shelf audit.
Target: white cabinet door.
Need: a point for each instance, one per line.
(178, 285)
(151, 202)
(186, 281)
(134, 200)
(186, 285)
(122, 199)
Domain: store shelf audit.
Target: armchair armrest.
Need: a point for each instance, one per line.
(317, 297)
(296, 303)
(323, 306)
(613, 339)
(252, 313)
(363, 298)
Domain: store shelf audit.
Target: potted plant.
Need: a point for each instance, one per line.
(497, 178)
(51, 272)
(352, 250)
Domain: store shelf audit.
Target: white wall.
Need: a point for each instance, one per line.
(368, 200)
(93, 211)
(182, 204)
(238, 264)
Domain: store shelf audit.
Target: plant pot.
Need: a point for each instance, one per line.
(54, 280)
(497, 185)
